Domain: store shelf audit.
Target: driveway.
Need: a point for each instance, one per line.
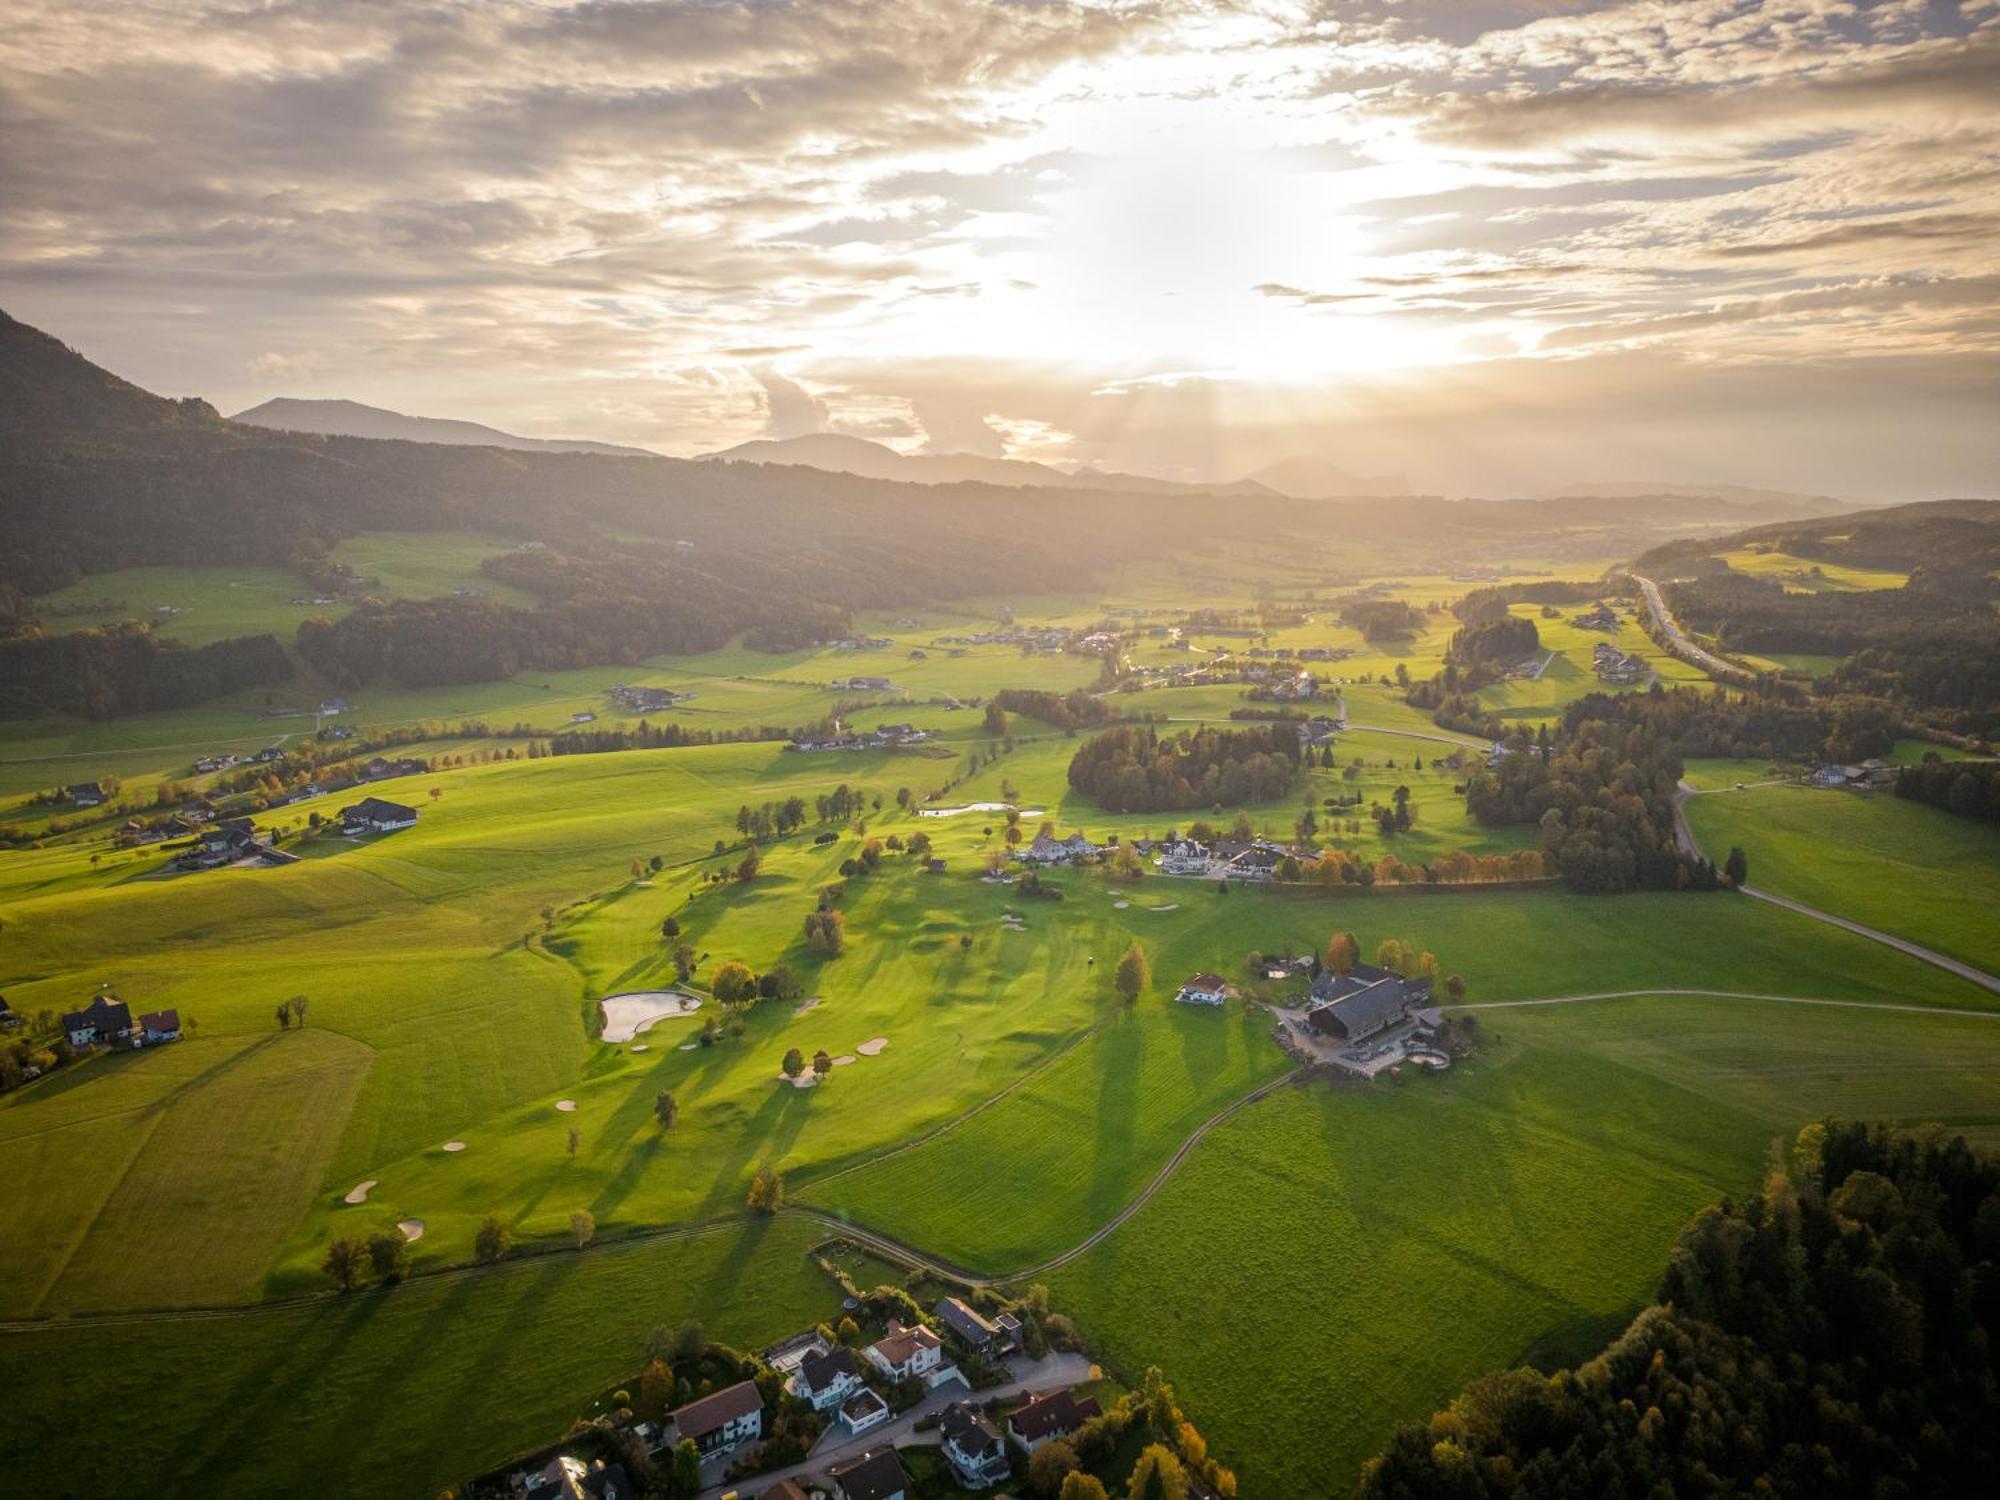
(835, 1444)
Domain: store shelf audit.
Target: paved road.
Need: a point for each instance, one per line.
(1685, 835)
(1678, 640)
(836, 1443)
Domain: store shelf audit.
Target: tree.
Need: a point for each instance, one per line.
(656, 1387)
(575, 1140)
(994, 724)
(1342, 953)
(389, 1255)
(690, 1341)
(582, 1226)
(494, 1239)
(346, 1261)
(794, 1063)
(733, 982)
(1050, 1467)
(778, 983)
(1081, 1486)
(683, 963)
(849, 1332)
(767, 1189)
(684, 1478)
(1133, 974)
(822, 1064)
(1737, 867)
(746, 868)
(1454, 988)
(666, 1110)
(670, 928)
(1157, 1475)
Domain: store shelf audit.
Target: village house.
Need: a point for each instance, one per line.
(910, 1354)
(10, 1018)
(1203, 989)
(1258, 862)
(786, 1356)
(583, 716)
(973, 1329)
(972, 1445)
(1599, 618)
(1184, 857)
(826, 1378)
(102, 1023)
(160, 1026)
(84, 794)
(875, 1475)
(1868, 774)
(1364, 1002)
(863, 1410)
(1047, 849)
(1044, 1417)
(374, 815)
(1615, 666)
(569, 1478)
(862, 684)
(220, 844)
(717, 1423)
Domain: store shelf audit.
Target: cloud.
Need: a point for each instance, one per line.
(790, 410)
(948, 429)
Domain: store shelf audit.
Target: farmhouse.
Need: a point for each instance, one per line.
(1615, 666)
(1355, 1006)
(10, 1018)
(972, 1445)
(910, 1353)
(716, 1423)
(1259, 862)
(374, 815)
(1046, 1416)
(862, 684)
(826, 1378)
(160, 1026)
(1047, 849)
(1870, 773)
(102, 1022)
(1203, 989)
(875, 1475)
(224, 842)
(84, 794)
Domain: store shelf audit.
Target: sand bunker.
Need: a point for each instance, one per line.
(805, 1080)
(625, 1016)
(687, 1046)
(1170, 906)
(641, 1047)
(413, 1229)
(452, 1146)
(952, 812)
(872, 1046)
(566, 1105)
(1120, 905)
(359, 1192)
(811, 1002)
(843, 1060)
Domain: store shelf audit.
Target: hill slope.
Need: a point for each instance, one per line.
(353, 419)
(840, 454)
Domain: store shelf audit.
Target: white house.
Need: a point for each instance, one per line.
(1185, 857)
(973, 1446)
(863, 1410)
(1204, 989)
(161, 1026)
(734, 1414)
(904, 1353)
(825, 1379)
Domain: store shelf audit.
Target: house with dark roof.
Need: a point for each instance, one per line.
(968, 1325)
(716, 1423)
(160, 1026)
(875, 1475)
(826, 1378)
(1364, 1002)
(84, 794)
(375, 815)
(570, 1478)
(1047, 849)
(972, 1445)
(10, 1018)
(103, 1023)
(1047, 1415)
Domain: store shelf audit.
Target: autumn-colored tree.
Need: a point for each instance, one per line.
(1133, 974)
(1454, 988)
(1050, 1465)
(849, 1332)
(582, 1226)
(733, 982)
(656, 1387)
(767, 1189)
(1342, 953)
(1157, 1475)
(1082, 1486)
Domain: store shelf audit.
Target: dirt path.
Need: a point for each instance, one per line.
(1685, 835)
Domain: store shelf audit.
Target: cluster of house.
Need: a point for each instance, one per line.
(645, 700)
(1866, 776)
(1320, 730)
(1224, 859)
(1598, 618)
(881, 737)
(1615, 666)
(225, 842)
(1281, 683)
(857, 643)
(1034, 639)
(108, 1023)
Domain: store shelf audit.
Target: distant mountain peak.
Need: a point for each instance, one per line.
(336, 417)
(841, 453)
(1307, 476)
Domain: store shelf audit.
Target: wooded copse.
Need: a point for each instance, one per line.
(1134, 768)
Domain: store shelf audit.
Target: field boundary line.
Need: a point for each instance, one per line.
(1894, 1007)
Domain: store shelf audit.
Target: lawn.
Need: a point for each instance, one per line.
(1332, 1261)
(1912, 870)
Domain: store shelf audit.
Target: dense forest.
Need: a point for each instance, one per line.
(1381, 619)
(126, 669)
(1077, 710)
(1602, 791)
(1499, 640)
(1134, 768)
(1970, 789)
(1831, 1337)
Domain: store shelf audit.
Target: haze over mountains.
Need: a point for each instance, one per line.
(353, 419)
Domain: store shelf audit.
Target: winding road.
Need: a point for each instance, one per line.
(1685, 834)
(1678, 642)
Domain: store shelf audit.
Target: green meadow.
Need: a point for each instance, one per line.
(1912, 870)
(166, 1212)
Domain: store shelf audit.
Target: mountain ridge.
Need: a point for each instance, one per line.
(338, 417)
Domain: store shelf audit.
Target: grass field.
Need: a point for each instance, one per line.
(1906, 868)
(453, 971)
(1331, 1261)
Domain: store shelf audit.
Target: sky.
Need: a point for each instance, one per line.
(1494, 246)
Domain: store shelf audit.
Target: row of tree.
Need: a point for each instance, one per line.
(126, 669)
